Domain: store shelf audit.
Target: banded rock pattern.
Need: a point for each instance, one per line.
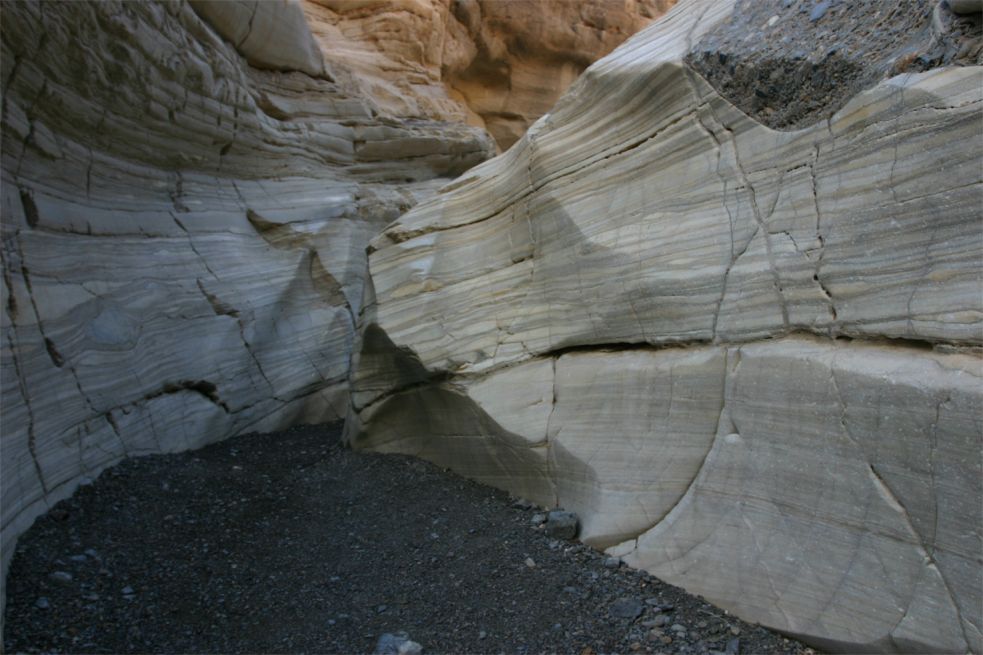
(187, 192)
(748, 358)
(183, 236)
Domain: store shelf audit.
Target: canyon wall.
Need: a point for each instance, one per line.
(494, 64)
(183, 233)
(748, 358)
(187, 192)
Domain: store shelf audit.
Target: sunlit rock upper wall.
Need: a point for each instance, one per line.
(497, 64)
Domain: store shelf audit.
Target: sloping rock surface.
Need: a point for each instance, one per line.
(748, 358)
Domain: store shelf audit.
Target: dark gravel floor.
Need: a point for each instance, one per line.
(288, 542)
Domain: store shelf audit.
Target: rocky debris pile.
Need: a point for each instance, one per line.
(289, 543)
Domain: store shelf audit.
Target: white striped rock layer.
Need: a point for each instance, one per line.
(183, 236)
(749, 359)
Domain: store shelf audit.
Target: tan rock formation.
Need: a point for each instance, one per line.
(496, 64)
(748, 358)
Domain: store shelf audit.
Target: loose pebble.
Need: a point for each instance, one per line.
(819, 11)
(626, 608)
(561, 524)
(61, 577)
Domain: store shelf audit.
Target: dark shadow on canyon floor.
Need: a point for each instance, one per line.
(289, 542)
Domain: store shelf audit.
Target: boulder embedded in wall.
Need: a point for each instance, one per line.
(748, 358)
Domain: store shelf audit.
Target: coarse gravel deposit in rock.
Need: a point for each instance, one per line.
(288, 542)
(792, 63)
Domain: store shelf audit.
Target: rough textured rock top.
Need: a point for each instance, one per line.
(789, 63)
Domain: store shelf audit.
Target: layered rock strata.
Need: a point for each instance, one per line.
(188, 188)
(748, 358)
(183, 233)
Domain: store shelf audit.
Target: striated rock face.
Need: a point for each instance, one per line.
(748, 358)
(187, 192)
(494, 64)
(183, 233)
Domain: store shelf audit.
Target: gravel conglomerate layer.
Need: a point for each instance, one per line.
(792, 63)
(289, 542)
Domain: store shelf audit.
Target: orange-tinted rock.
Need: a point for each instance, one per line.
(495, 64)
(529, 52)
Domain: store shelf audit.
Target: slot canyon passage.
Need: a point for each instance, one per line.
(720, 294)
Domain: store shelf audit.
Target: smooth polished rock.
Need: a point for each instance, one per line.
(269, 34)
(764, 345)
(629, 433)
(665, 242)
(841, 477)
(828, 489)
